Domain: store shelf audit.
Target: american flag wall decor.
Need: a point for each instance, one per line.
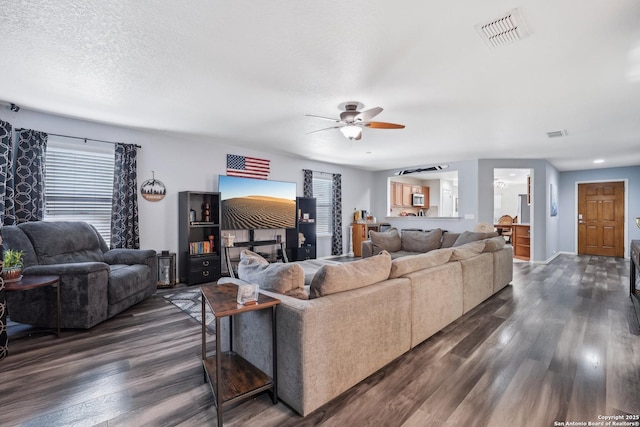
(247, 167)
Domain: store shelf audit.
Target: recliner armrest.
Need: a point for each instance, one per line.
(74, 268)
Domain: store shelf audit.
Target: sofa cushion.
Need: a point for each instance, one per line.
(493, 244)
(331, 279)
(62, 242)
(286, 279)
(468, 250)
(409, 264)
(448, 239)
(472, 236)
(421, 241)
(386, 240)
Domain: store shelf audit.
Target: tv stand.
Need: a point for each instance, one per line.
(251, 245)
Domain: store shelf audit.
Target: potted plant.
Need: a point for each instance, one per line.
(12, 265)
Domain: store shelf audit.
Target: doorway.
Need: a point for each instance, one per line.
(513, 200)
(601, 207)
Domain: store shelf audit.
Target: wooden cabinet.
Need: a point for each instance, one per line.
(425, 191)
(199, 237)
(407, 200)
(396, 194)
(401, 194)
(521, 238)
(359, 233)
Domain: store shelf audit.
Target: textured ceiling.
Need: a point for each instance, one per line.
(247, 72)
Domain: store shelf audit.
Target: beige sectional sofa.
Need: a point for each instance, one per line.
(354, 322)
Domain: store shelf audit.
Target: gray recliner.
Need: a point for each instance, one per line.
(96, 283)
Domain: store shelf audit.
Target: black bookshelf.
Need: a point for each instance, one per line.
(306, 224)
(199, 237)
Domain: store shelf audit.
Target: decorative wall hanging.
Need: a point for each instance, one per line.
(152, 189)
(248, 167)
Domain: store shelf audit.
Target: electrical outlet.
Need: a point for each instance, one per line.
(469, 216)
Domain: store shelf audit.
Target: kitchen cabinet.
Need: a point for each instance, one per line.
(425, 191)
(407, 200)
(396, 194)
(401, 194)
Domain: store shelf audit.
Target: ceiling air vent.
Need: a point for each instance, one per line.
(503, 30)
(557, 133)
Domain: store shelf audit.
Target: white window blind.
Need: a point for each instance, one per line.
(323, 192)
(79, 183)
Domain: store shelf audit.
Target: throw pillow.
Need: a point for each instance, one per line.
(468, 250)
(421, 241)
(331, 279)
(494, 244)
(386, 240)
(472, 236)
(283, 278)
(448, 239)
(409, 264)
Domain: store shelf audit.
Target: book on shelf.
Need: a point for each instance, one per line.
(200, 248)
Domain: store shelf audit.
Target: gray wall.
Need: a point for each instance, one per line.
(188, 162)
(567, 199)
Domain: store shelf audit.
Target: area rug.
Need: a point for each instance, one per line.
(189, 301)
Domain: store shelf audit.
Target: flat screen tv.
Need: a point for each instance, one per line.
(252, 204)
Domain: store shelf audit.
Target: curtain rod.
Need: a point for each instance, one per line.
(77, 137)
(326, 173)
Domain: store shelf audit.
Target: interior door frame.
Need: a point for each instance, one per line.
(625, 181)
(532, 218)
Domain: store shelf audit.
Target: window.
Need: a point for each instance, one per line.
(323, 192)
(79, 183)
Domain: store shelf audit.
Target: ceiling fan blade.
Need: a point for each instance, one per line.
(368, 114)
(382, 125)
(320, 130)
(323, 118)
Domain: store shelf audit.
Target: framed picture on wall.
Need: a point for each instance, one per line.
(553, 191)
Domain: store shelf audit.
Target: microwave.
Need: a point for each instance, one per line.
(418, 199)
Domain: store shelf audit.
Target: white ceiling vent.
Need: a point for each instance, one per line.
(557, 133)
(504, 30)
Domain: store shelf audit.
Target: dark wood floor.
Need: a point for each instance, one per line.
(559, 345)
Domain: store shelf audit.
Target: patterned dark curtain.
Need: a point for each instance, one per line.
(7, 210)
(125, 231)
(307, 183)
(336, 240)
(4, 340)
(29, 176)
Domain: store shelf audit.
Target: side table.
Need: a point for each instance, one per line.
(34, 281)
(232, 378)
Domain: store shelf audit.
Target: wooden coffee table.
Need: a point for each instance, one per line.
(238, 379)
(29, 282)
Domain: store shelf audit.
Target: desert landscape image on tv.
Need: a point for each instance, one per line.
(257, 204)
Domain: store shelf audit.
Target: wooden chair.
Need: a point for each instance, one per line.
(507, 232)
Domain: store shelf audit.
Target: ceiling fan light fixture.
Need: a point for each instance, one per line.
(351, 131)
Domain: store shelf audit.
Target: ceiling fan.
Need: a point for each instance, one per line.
(352, 121)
